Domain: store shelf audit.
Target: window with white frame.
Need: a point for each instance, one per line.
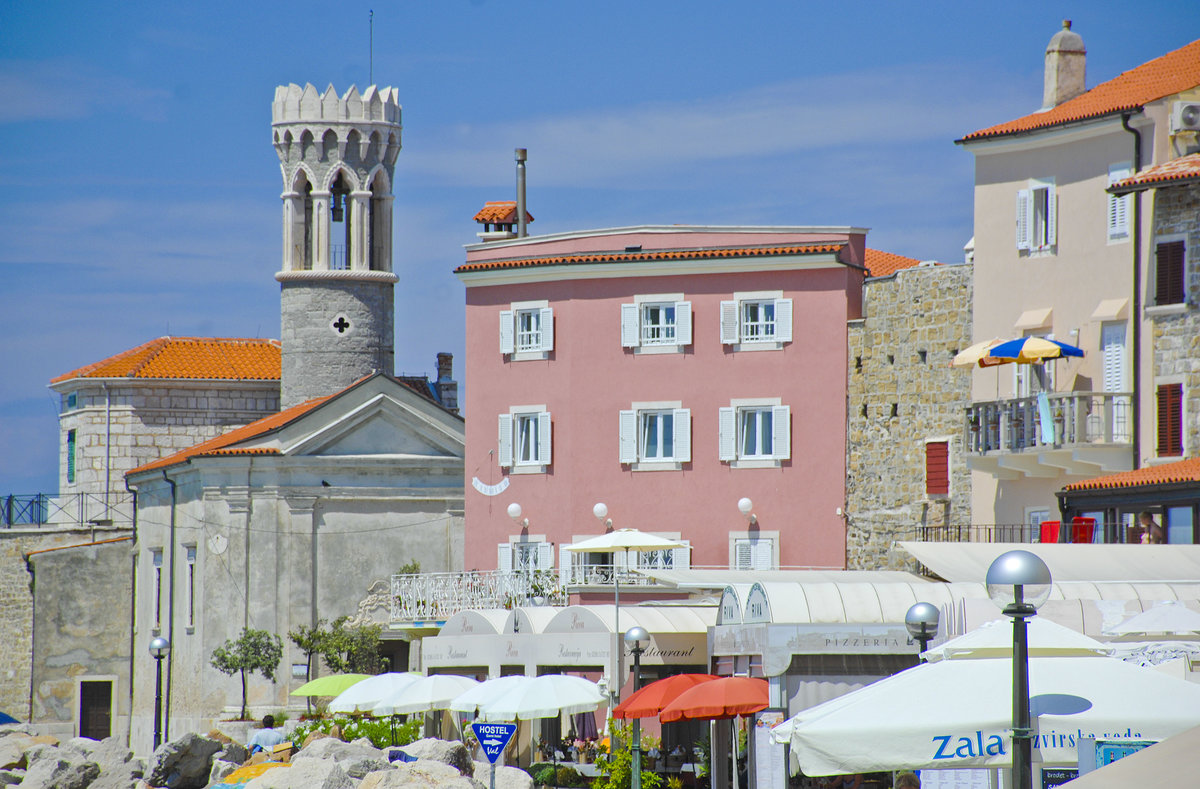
(1037, 216)
(755, 431)
(191, 586)
(1118, 205)
(525, 554)
(756, 319)
(753, 553)
(524, 438)
(527, 330)
(156, 565)
(659, 321)
(655, 433)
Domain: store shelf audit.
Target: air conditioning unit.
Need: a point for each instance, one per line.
(1185, 116)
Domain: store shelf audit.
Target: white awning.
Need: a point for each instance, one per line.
(656, 619)
(969, 561)
(480, 622)
(1034, 319)
(719, 579)
(1111, 310)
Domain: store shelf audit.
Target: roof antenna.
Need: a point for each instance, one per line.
(371, 49)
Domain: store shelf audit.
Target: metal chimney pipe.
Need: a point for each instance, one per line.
(521, 230)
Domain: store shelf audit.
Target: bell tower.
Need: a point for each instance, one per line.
(337, 156)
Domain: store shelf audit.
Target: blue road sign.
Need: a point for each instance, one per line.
(494, 737)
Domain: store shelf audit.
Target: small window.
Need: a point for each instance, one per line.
(71, 456)
(70, 402)
(756, 553)
(1170, 420)
(922, 356)
(156, 567)
(527, 330)
(655, 435)
(857, 362)
(765, 321)
(1118, 205)
(661, 322)
(752, 432)
(755, 433)
(1170, 268)
(191, 585)
(937, 468)
(1037, 217)
(658, 324)
(525, 555)
(524, 439)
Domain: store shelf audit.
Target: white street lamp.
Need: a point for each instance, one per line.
(635, 637)
(159, 647)
(921, 619)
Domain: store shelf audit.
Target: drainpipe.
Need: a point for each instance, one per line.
(132, 615)
(170, 613)
(1136, 310)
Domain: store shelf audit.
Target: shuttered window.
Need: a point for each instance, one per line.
(1118, 205)
(756, 321)
(1169, 273)
(528, 330)
(1170, 420)
(754, 554)
(70, 456)
(1037, 216)
(937, 468)
(524, 439)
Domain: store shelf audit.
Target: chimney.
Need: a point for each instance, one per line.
(1065, 58)
(521, 156)
(446, 386)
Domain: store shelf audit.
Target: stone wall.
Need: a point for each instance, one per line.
(902, 392)
(1177, 335)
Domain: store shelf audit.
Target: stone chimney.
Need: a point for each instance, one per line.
(447, 387)
(1065, 58)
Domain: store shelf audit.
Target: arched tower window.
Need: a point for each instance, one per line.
(340, 208)
(380, 224)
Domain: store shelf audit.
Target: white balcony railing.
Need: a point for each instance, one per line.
(1068, 419)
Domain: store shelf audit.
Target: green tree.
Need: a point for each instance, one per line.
(351, 649)
(616, 769)
(310, 641)
(253, 650)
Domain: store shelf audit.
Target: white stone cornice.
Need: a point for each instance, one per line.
(383, 277)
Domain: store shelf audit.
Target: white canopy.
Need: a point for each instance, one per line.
(1169, 617)
(623, 540)
(546, 696)
(434, 692)
(364, 695)
(486, 692)
(1172, 762)
(995, 640)
(969, 561)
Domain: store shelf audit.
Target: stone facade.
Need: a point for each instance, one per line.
(902, 393)
(1177, 331)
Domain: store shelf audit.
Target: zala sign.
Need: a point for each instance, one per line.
(494, 737)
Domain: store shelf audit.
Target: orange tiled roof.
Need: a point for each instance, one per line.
(654, 255)
(202, 358)
(226, 444)
(880, 263)
(1181, 471)
(500, 211)
(1185, 169)
(1173, 72)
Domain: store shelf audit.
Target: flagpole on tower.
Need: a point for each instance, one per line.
(371, 48)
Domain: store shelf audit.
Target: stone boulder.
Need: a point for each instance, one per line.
(183, 763)
(506, 777)
(452, 753)
(62, 769)
(355, 759)
(421, 774)
(110, 753)
(11, 777)
(305, 774)
(312, 736)
(231, 749)
(16, 744)
(220, 769)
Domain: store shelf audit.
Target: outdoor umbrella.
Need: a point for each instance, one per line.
(362, 696)
(977, 355)
(434, 692)
(1030, 350)
(546, 696)
(650, 700)
(472, 699)
(6, 718)
(727, 697)
(1168, 618)
(331, 685)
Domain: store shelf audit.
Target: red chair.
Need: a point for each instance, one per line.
(1049, 531)
(1082, 529)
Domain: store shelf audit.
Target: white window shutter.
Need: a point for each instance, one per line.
(505, 448)
(631, 335)
(1051, 216)
(681, 558)
(506, 331)
(682, 418)
(783, 320)
(743, 557)
(545, 556)
(547, 329)
(504, 557)
(683, 323)
(1024, 207)
(729, 323)
(1118, 207)
(627, 437)
(544, 443)
(564, 565)
(763, 552)
(727, 433)
(781, 428)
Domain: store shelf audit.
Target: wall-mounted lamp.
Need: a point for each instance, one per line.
(600, 510)
(746, 507)
(514, 512)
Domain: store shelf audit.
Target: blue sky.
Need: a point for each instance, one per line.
(141, 193)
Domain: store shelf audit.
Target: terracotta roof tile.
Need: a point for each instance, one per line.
(1173, 72)
(880, 264)
(652, 256)
(203, 358)
(1165, 474)
(1185, 169)
(500, 211)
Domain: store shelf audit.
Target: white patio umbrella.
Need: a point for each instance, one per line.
(1168, 618)
(485, 693)
(365, 694)
(434, 692)
(547, 696)
(957, 712)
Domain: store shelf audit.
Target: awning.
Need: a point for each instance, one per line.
(962, 561)
(1034, 319)
(1111, 310)
(697, 579)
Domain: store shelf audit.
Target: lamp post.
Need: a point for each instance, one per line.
(1019, 582)
(635, 637)
(159, 647)
(921, 619)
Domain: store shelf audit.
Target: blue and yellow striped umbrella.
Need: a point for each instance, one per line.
(1031, 350)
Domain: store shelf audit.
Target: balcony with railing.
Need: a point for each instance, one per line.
(1080, 433)
(68, 511)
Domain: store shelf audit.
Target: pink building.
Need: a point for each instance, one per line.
(669, 373)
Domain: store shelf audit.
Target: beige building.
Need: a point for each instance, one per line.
(1058, 256)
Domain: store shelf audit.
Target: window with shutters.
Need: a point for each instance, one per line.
(754, 433)
(524, 439)
(156, 569)
(655, 436)
(190, 580)
(525, 554)
(756, 321)
(659, 323)
(1169, 272)
(1112, 346)
(937, 468)
(527, 330)
(71, 456)
(1118, 205)
(753, 553)
(1170, 420)
(1037, 217)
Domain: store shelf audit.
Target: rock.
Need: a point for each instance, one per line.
(304, 774)
(356, 760)
(220, 769)
(421, 774)
(63, 769)
(506, 777)
(12, 750)
(11, 777)
(38, 751)
(315, 735)
(109, 753)
(183, 763)
(22, 728)
(452, 753)
(233, 752)
(123, 776)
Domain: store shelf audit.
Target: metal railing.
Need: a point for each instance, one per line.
(438, 596)
(602, 575)
(77, 510)
(1074, 418)
(978, 532)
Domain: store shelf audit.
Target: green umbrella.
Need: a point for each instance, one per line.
(331, 685)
